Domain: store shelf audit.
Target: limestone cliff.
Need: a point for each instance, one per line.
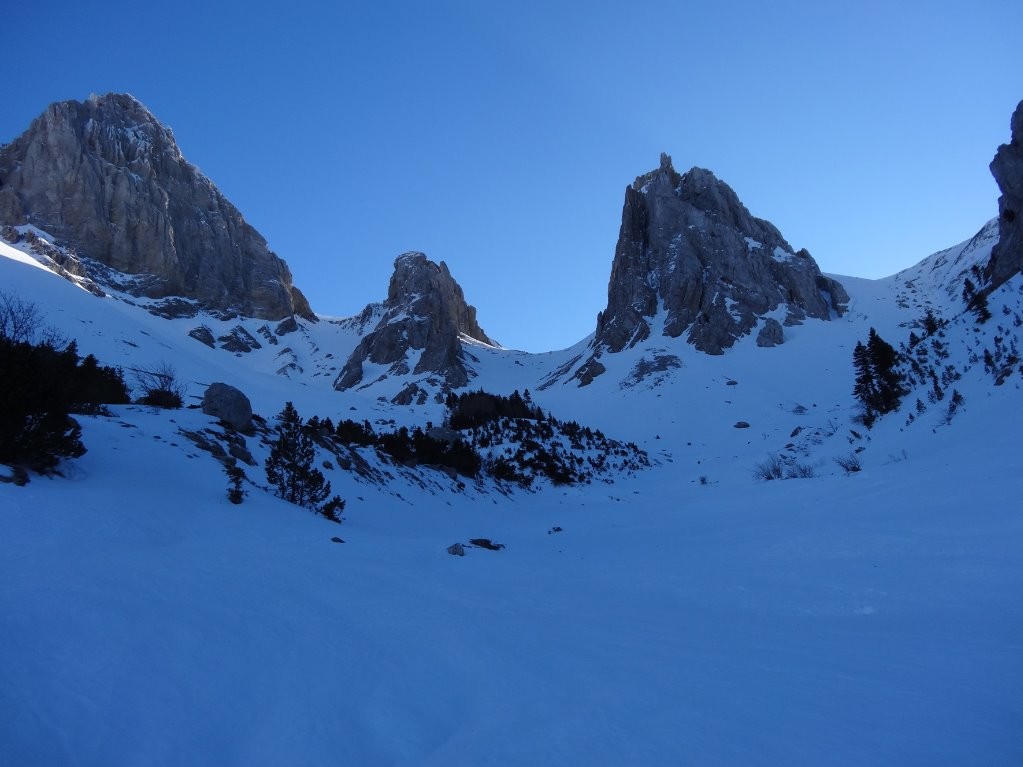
(1007, 168)
(107, 178)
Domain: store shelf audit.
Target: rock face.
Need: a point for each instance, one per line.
(690, 251)
(425, 311)
(228, 404)
(1007, 168)
(107, 178)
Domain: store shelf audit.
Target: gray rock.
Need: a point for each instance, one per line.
(771, 334)
(241, 453)
(1007, 168)
(425, 311)
(264, 330)
(443, 434)
(410, 393)
(286, 326)
(741, 424)
(174, 308)
(104, 176)
(203, 335)
(228, 404)
(688, 244)
(239, 340)
(650, 367)
(456, 550)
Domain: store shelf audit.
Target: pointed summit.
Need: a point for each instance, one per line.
(690, 255)
(425, 312)
(105, 176)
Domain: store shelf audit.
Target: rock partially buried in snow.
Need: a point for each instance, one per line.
(228, 404)
(771, 334)
(456, 550)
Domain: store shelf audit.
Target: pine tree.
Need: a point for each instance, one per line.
(864, 389)
(290, 465)
(879, 384)
(235, 477)
(976, 301)
(884, 361)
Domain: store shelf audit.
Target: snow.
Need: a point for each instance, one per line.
(684, 615)
(12, 253)
(781, 255)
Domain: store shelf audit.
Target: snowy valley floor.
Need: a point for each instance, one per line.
(862, 620)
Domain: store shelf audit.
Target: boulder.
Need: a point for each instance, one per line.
(456, 550)
(228, 404)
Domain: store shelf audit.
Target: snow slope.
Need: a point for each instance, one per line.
(685, 615)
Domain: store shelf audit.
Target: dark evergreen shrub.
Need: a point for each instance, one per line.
(40, 386)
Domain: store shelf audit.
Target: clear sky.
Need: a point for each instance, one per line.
(500, 137)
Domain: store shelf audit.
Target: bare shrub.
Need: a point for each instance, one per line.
(778, 467)
(850, 463)
(160, 386)
(20, 320)
(800, 471)
(772, 468)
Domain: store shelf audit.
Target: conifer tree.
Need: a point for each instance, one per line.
(884, 361)
(879, 383)
(289, 468)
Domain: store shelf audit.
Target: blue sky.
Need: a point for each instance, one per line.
(500, 138)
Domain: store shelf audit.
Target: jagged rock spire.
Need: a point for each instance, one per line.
(106, 177)
(690, 249)
(425, 311)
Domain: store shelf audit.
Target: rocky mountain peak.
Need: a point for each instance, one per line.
(692, 260)
(1007, 168)
(106, 177)
(423, 287)
(425, 312)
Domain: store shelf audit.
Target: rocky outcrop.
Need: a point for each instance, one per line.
(425, 312)
(1007, 168)
(771, 334)
(105, 177)
(690, 255)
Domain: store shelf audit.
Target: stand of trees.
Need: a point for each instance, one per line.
(40, 386)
